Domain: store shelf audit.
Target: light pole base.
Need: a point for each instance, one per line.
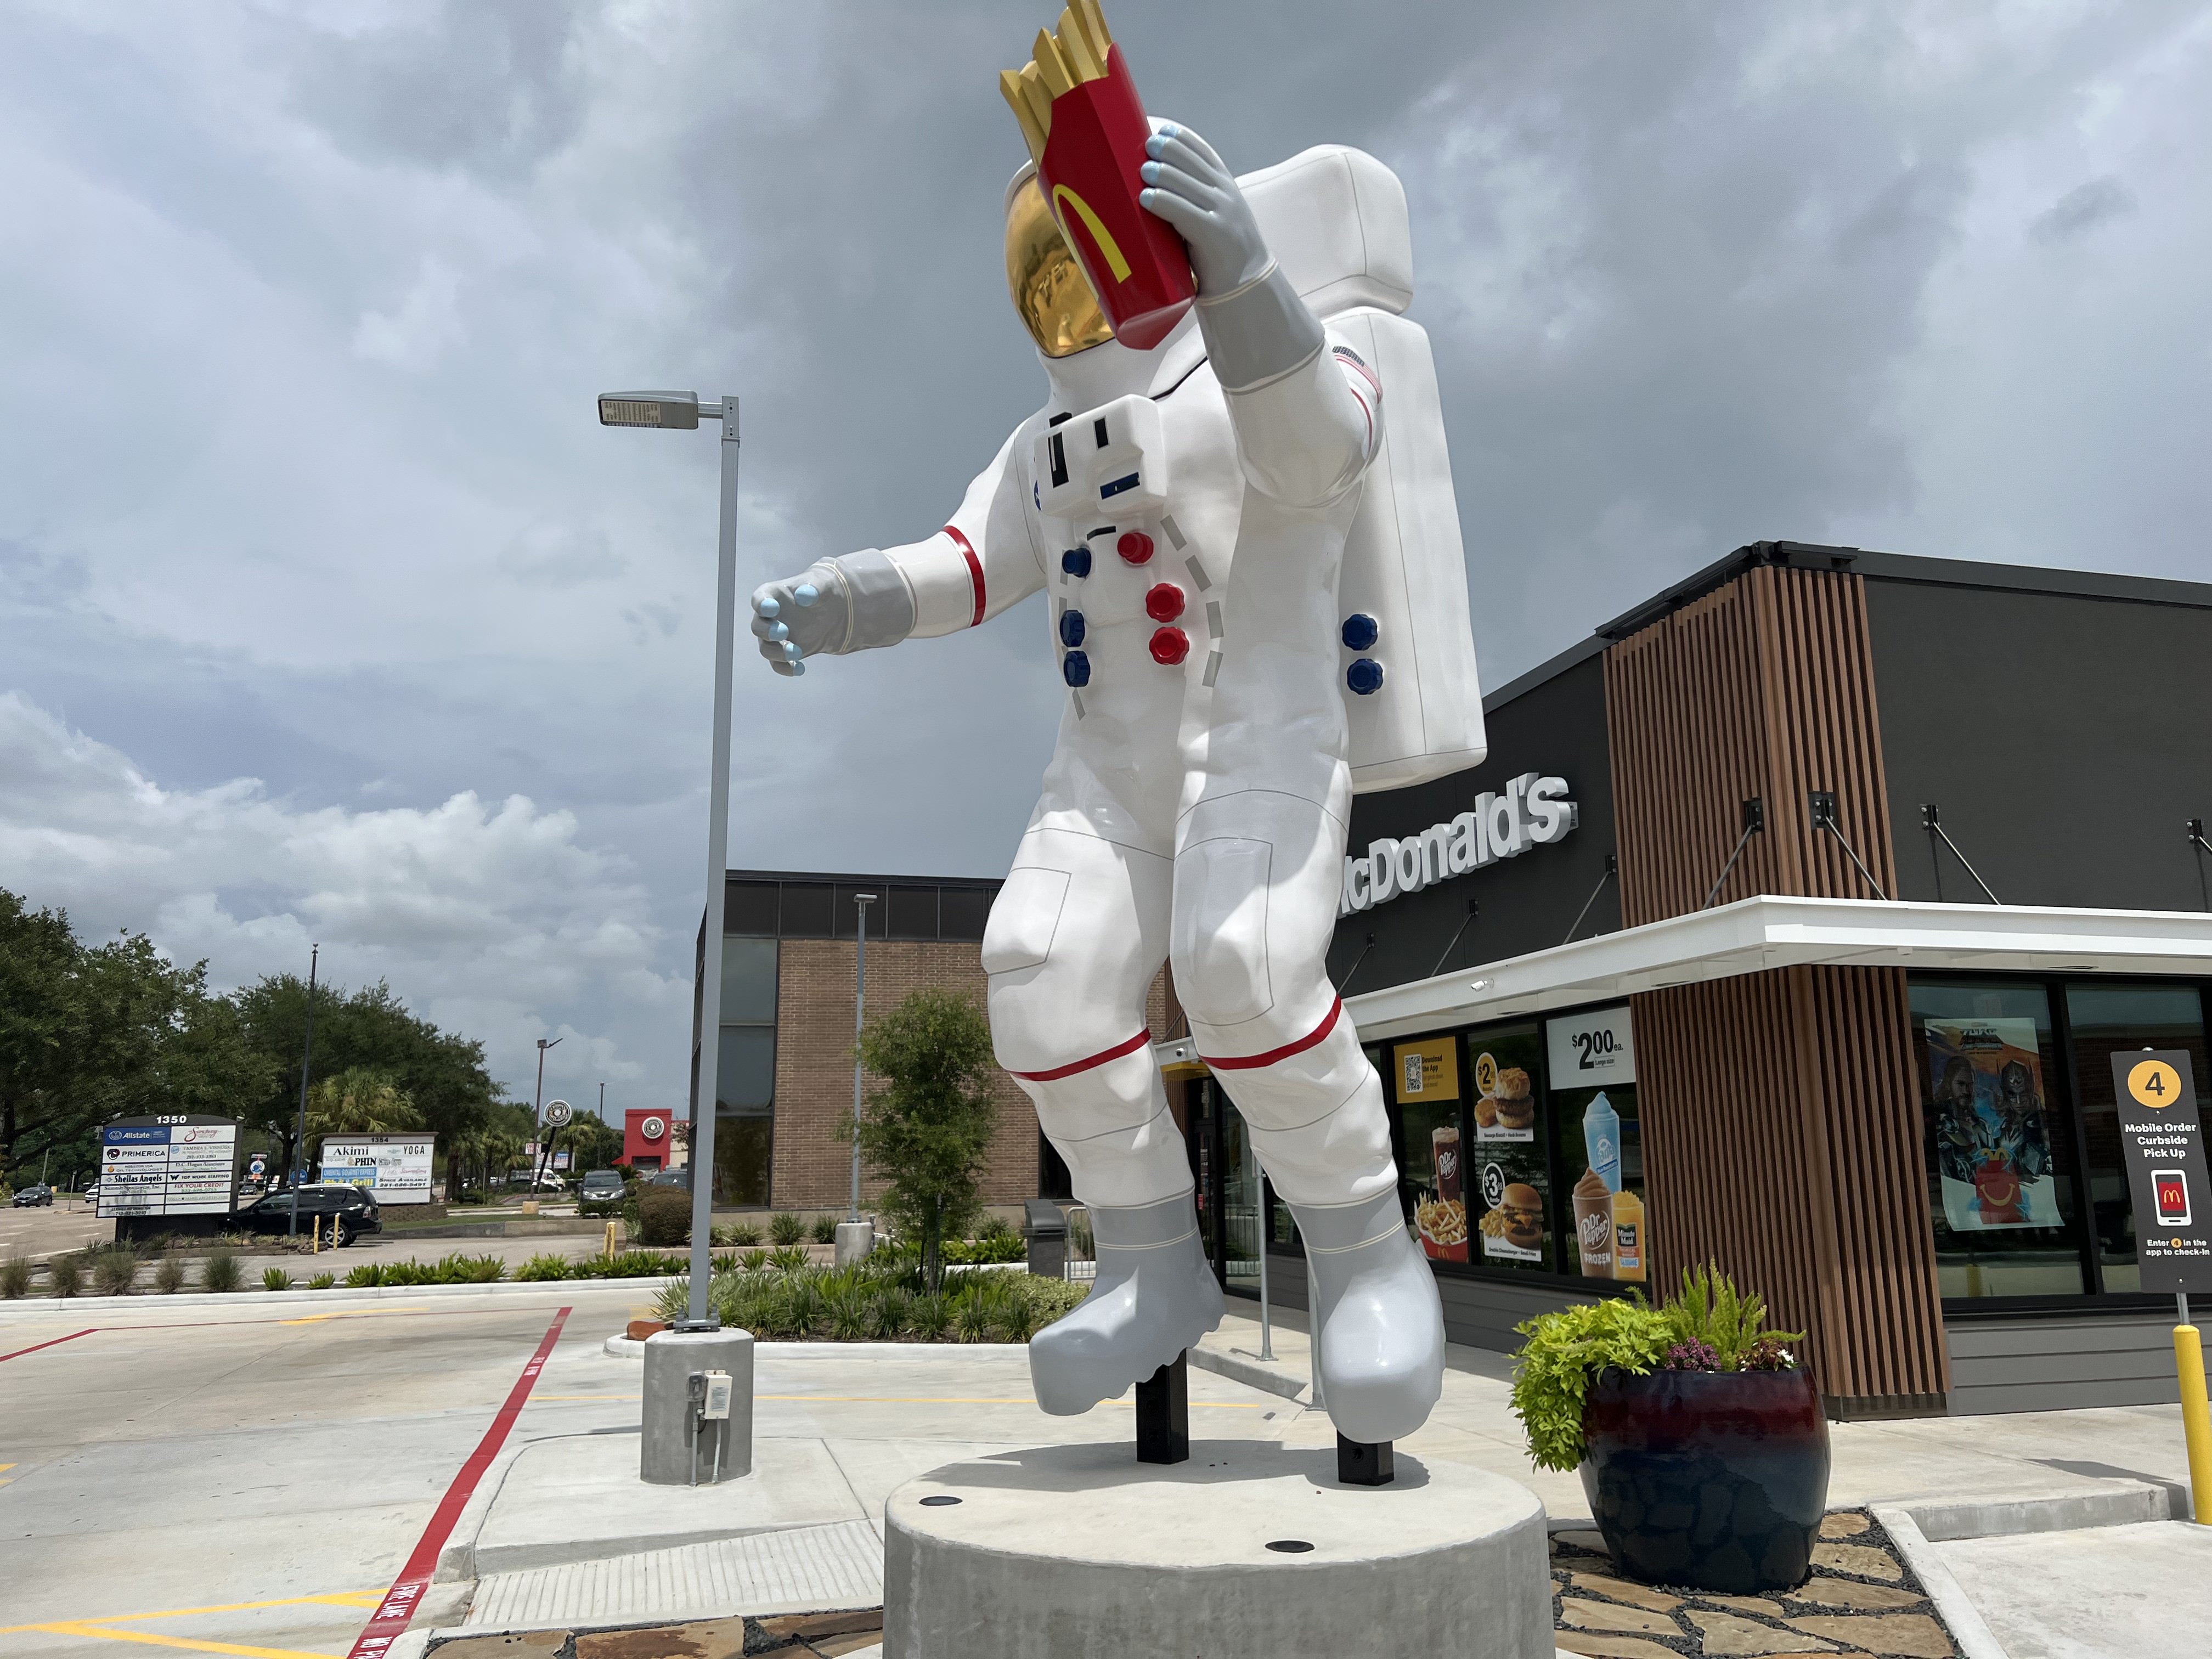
(675, 1450)
(856, 1240)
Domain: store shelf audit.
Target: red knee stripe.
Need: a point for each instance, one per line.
(1115, 1053)
(1251, 1062)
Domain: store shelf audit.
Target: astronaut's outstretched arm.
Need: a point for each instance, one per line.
(983, 561)
(1308, 412)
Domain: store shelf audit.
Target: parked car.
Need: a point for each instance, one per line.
(91, 1194)
(601, 1186)
(671, 1178)
(37, 1192)
(346, 1212)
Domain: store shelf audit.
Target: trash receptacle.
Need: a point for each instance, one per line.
(1045, 1228)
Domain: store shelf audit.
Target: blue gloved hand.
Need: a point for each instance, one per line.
(1190, 187)
(798, 617)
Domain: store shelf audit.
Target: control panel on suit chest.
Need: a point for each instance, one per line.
(1137, 501)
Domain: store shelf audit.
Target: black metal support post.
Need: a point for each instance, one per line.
(1612, 869)
(1754, 823)
(1365, 1463)
(1164, 1415)
(306, 1060)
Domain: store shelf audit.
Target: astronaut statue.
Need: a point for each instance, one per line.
(1235, 554)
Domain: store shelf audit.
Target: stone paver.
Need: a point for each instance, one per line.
(1724, 1632)
(1858, 1560)
(1603, 1615)
(1844, 1525)
(1610, 1647)
(1912, 1634)
(1620, 1589)
(1849, 1593)
(1745, 1604)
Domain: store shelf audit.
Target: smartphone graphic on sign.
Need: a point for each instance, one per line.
(2172, 1188)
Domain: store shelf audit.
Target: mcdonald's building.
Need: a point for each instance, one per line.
(1791, 924)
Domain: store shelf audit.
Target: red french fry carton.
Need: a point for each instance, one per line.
(1089, 172)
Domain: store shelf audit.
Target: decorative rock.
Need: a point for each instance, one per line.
(1849, 1593)
(1726, 1633)
(1610, 1647)
(1913, 1634)
(1603, 1615)
(1857, 1559)
(1844, 1524)
(1620, 1589)
(1079, 1552)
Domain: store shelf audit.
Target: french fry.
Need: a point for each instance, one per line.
(1082, 62)
(1039, 97)
(1093, 24)
(1058, 78)
(1009, 86)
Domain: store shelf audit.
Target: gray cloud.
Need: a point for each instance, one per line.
(306, 311)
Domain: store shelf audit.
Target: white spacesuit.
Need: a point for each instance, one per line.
(1188, 509)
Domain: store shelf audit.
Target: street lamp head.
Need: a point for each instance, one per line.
(676, 411)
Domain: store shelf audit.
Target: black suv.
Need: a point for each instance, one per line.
(346, 1212)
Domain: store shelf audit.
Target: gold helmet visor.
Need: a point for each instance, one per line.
(1049, 291)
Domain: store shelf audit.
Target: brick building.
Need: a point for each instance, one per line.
(785, 1072)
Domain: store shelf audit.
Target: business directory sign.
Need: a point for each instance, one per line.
(395, 1168)
(180, 1164)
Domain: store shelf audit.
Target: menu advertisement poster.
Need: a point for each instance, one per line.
(1597, 1136)
(1427, 1082)
(1505, 1099)
(1992, 1138)
(1513, 1176)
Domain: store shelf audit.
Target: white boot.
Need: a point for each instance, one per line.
(1378, 1325)
(1155, 1296)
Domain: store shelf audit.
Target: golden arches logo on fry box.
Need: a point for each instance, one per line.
(1086, 128)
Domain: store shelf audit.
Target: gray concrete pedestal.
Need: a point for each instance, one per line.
(671, 1453)
(1248, 1551)
(856, 1240)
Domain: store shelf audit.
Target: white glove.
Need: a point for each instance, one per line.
(798, 617)
(1192, 189)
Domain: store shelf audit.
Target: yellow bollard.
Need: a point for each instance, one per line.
(315, 1237)
(611, 1240)
(2196, 1418)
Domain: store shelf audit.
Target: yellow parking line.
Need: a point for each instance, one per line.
(899, 1400)
(335, 1598)
(348, 1313)
(97, 1633)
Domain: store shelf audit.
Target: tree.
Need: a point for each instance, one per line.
(927, 1129)
(359, 1101)
(594, 1144)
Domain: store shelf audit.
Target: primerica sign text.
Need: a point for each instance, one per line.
(1533, 810)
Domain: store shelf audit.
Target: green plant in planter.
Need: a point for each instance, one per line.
(1712, 1314)
(1565, 1350)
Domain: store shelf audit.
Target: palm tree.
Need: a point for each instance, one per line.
(360, 1101)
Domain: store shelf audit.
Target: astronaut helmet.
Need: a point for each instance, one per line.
(1050, 292)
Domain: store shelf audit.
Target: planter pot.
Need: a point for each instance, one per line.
(1714, 1479)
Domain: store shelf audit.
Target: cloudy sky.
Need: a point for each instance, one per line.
(328, 613)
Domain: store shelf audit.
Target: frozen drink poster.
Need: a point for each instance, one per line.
(1992, 1141)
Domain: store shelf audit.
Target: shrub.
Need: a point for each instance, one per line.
(887, 1313)
(825, 1229)
(15, 1277)
(1710, 1313)
(542, 1268)
(930, 1318)
(786, 1229)
(322, 1281)
(789, 1259)
(365, 1276)
(276, 1279)
(220, 1271)
(743, 1232)
(996, 1226)
(408, 1272)
(1053, 1298)
(1006, 1246)
(663, 1216)
(755, 1260)
(848, 1313)
(169, 1275)
(804, 1305)
(65, 1274)
(1020, 1317)
(114, 1272)
(470, 1270)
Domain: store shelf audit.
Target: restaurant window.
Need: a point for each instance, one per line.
(2004, 1185)
(745, 1072)
(2105, 1018)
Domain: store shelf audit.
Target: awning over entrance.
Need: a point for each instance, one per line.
(1753, 934)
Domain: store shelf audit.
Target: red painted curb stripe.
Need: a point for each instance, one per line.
(1249, 1062)
(57, 1342)
(397, 1610)
(1115, 1053)
(974, 574)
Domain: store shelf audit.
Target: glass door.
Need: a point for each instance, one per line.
(1241, 1198)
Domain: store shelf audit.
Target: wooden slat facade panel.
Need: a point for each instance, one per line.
(1782, 1123)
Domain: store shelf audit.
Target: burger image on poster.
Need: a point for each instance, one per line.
(1505, 1103)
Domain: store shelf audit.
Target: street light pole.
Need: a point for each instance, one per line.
(680, 411)
(537, 1112)
(306, 1054)
(860, 903)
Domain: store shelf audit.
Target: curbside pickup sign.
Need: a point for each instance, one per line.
(2169, 1178)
